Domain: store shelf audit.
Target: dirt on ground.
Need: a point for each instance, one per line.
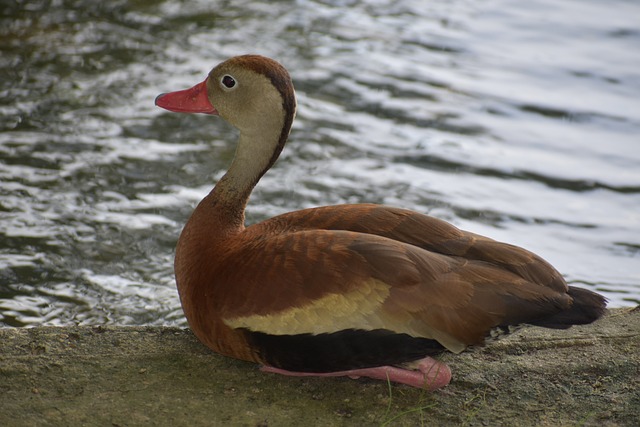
(155, 376)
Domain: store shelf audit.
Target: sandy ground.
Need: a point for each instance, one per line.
(154, 376)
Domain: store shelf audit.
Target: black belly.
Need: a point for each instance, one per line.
(340, 351)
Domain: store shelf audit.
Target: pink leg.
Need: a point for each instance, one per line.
(430, 374)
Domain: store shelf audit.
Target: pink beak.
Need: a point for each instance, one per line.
(193, 100)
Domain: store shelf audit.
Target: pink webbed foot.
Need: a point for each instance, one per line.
(429, 374)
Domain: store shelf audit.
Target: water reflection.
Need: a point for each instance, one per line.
(499, 117)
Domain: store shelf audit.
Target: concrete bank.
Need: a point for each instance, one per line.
(154, 376)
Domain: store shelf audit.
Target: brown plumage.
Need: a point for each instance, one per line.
(342, 290)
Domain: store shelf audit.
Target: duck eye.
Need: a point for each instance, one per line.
(228, 81)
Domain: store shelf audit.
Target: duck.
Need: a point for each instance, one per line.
(354, 290)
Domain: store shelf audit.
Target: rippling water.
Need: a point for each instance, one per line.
(517, 120)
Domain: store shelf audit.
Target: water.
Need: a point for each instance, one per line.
(517, 120)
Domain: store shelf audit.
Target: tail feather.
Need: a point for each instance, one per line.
(587, 307)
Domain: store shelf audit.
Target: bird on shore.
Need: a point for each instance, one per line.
(358, 290)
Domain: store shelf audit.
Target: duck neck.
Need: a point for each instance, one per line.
(255, 154)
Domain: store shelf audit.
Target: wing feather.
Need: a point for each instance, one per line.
(322, 271)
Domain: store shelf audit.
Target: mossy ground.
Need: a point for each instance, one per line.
(131, 376)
